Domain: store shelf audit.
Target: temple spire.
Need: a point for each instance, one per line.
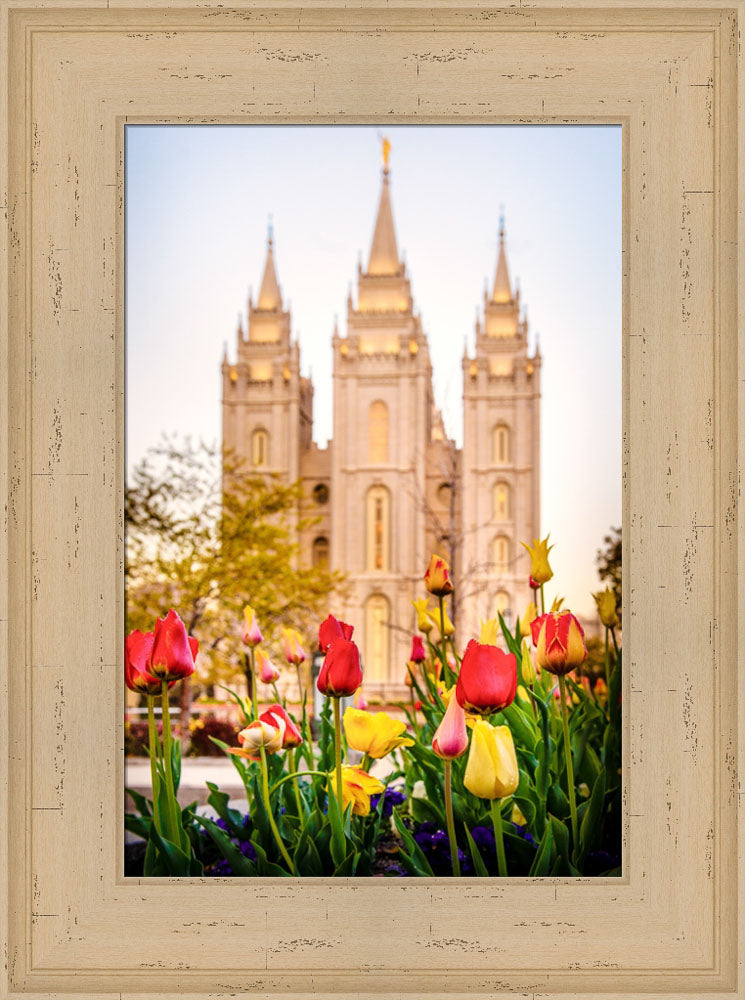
(384, 250)
(502, 291)
(270, 296)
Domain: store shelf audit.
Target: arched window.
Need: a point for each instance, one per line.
(501, 444)
(378, 528)
(377, 637)
(320, 553)
(378, 432)
(501, 502)
(259, 448)
(501, 554)
(503, 605)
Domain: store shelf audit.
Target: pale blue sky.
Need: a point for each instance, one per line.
(197, 203)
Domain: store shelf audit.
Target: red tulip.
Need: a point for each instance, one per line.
(487, 681)
(331, 629)
(292, 736)
(173, 653)
(137, 649)
(418, 654)
(341, 673)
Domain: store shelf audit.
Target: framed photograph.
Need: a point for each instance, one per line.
(541, 801)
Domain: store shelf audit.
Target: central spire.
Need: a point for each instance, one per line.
(502, 292)
(270, 296)
(384, 250)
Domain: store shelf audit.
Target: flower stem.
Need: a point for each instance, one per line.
(568, 759)
(543, 602)
(496, 819)
(254, 686)
(152, 747)
(607, 660)
(444, 644)
(269, 814)
(454, 861)
(298, 799)
(337, 751)
(294, 774)
(175, 824)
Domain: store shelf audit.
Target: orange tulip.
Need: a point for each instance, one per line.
(437, 577)
(559, 641)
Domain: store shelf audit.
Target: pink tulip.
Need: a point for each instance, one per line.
(451, 739)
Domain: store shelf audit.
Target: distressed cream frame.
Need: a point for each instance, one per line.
(73, 74)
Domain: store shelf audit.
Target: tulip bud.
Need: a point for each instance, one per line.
(411, 669)
(418, 653)
(274, 715)
(437, 577)
(560, 643)
(531, 612)
(540, 571)
(292, 646)
(331, 628)
(491, 768)
(341, 673)
(606, 605)
(422, 621)
(268, 673)
(487, 681)
(489, 632)
(256, 735)
(556, 603)
(434, 617)
(251, 634)
(451, 739)
(527, 669)
(173, 652)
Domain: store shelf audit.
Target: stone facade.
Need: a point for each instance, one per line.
(390, 488)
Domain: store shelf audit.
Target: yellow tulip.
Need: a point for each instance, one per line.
(557, 603)
(422, 621)
(375, 734)
(491, 769)
(527, 667)
(606, 604)
(437, 577)
(539, 567)
(489, 632)
(356, 788)
(517, 816)
(531, 613)
(434, 617)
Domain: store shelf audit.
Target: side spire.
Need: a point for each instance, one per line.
(502, 291)
(384, 250)
(270, 296)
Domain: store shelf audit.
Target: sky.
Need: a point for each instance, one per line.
(198, 200)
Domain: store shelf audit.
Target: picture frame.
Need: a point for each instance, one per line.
(73, 76)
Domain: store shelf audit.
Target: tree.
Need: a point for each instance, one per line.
(608, 560)
(206, 537)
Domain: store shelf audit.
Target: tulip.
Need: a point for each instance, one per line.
(606, 605)
(411, 669)
(418, 653)
(251, 634)
(446, 693)
(527, 667)
(341, 673)
(422, 621)
(268, 673)
(489, 632)
(173, 651)
(559, 641)
(331, 628)
(137, 649)
(357, 787)
(487, 681)
(259, 735)
(540, 571)
(292, 646)
(531, 613)
(375, 734)
(492, 773)
(274, 714)
(437, 577)
(451, 738)
(556, 604)
(601, 690)
(445, 626)
(359, 699)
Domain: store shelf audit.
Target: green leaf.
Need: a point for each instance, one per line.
(139, 825)
(174, 859)
(348, 865)
(266, 867)
(231, 817)
(589, 831)
(240, 864)
(542, 863)
(478, 862)
(141, 803)
(412, 847)
(522, 726)
(560, 834)
(338, 840)
(513, 644)
(176, 763)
